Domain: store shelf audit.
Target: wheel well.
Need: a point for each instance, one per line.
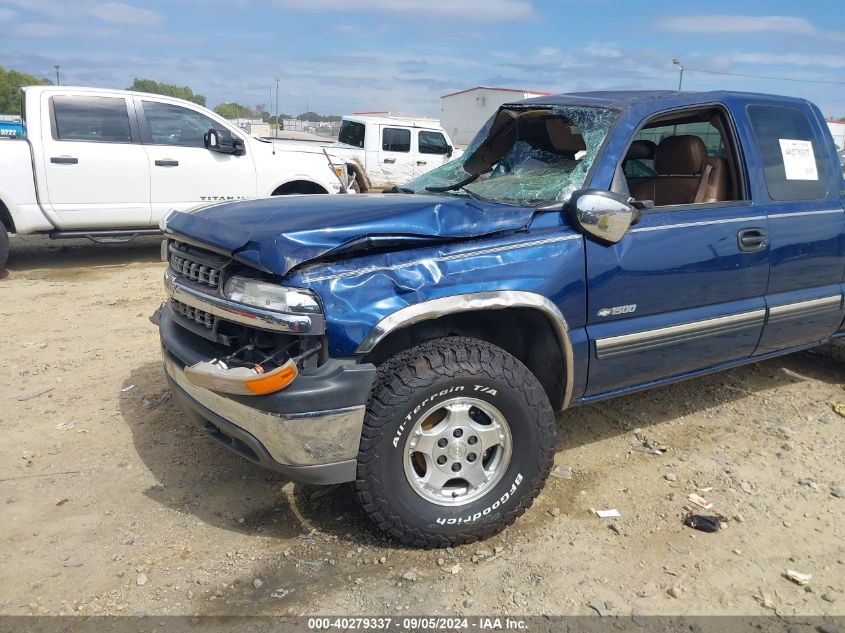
(298, 186)
(522, 332)
(6, 218)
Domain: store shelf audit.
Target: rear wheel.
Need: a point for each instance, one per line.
(4, 247)
(458, 440)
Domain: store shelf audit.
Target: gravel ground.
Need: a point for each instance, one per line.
(114, 504)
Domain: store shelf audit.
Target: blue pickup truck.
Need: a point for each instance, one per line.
(418, 342)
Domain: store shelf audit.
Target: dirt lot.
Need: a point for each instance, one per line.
(113, 504)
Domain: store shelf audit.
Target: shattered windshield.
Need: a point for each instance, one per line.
(525, 156)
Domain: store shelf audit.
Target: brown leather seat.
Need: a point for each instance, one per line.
(642, 149)
(681, 163)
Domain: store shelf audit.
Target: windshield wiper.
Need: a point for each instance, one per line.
(454, 186)
(397, 189)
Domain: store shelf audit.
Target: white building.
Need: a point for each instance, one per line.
(463, 113)
(837, 130)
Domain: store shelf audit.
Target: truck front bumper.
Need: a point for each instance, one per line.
(309, 431)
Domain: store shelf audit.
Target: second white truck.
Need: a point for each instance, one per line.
(382, 152)
(109, 164)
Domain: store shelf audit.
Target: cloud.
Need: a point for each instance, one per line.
(489, 11)
(119, 13)
(112, 12)
(6, 14)
(40, 29)
(790, 59)
(736, 24)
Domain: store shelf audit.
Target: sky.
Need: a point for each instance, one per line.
(337, 56)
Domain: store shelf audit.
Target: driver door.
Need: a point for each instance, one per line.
(183, 172)
(683, 291)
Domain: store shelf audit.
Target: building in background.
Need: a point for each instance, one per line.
(463, 113)
(837, 130)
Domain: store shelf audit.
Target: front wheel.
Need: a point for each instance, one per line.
(458, 440)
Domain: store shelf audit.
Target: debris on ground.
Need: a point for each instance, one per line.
(701, 502)
(647, 445)
(838, 407)
(798, 577)
(33, 396)
(562, 472)
(155, 403)
(838, 492)
(704, 523)
(555, 512)
(127, 388)
(600, 607)
(608, 514)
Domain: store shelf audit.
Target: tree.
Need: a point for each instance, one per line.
(313, 116)
(169, 90)
(234, 111)
(11, 82)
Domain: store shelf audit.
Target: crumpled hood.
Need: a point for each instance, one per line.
(277, 234)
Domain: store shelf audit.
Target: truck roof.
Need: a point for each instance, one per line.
(653, 99)
(383, 119)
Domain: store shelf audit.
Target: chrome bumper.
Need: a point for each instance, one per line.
(246, 315)
(294, 439)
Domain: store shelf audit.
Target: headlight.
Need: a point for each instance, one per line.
(268, 296)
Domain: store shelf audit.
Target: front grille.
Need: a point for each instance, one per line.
(195, 271)
(196, 265)
(200, 317)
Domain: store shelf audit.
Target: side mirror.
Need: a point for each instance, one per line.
(602, 214)
(223, 141)
(449, 151)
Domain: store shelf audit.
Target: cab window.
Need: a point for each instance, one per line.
(394, 139)
(174, 125)
(792, 159)
(432, 143)
(100, 119)
(682, 158)
(352, 133)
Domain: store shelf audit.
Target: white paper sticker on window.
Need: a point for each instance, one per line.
(798, 159)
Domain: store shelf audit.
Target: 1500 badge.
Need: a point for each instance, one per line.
(617, 310)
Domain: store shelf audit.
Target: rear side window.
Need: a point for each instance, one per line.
(352, 133)
(396, 139)
(433, 143)
(103, 119)
(792, 160)
(174, 125)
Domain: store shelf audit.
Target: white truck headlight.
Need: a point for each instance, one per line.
(269, 296)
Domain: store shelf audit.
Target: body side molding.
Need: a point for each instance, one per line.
(494, 300)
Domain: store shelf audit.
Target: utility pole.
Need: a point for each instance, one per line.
(56, 66)
(680, 66)
(277, 107)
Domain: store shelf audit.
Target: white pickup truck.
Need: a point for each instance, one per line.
(109, 164)
(387, 151)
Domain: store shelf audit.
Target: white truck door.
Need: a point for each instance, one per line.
(183, 173)
(433, 150)
(95, 168)
(395, 158)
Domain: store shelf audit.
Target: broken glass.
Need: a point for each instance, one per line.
(525, 156)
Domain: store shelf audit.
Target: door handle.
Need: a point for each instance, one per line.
(167, 162)
(421, 162)
(752, 240)
(389, 160)
(64, 160)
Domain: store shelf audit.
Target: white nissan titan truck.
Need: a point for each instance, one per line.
(109, 164)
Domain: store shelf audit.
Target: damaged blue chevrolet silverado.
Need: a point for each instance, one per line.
(419, 342)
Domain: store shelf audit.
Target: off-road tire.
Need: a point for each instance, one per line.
(4, 247)
(423, 372)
